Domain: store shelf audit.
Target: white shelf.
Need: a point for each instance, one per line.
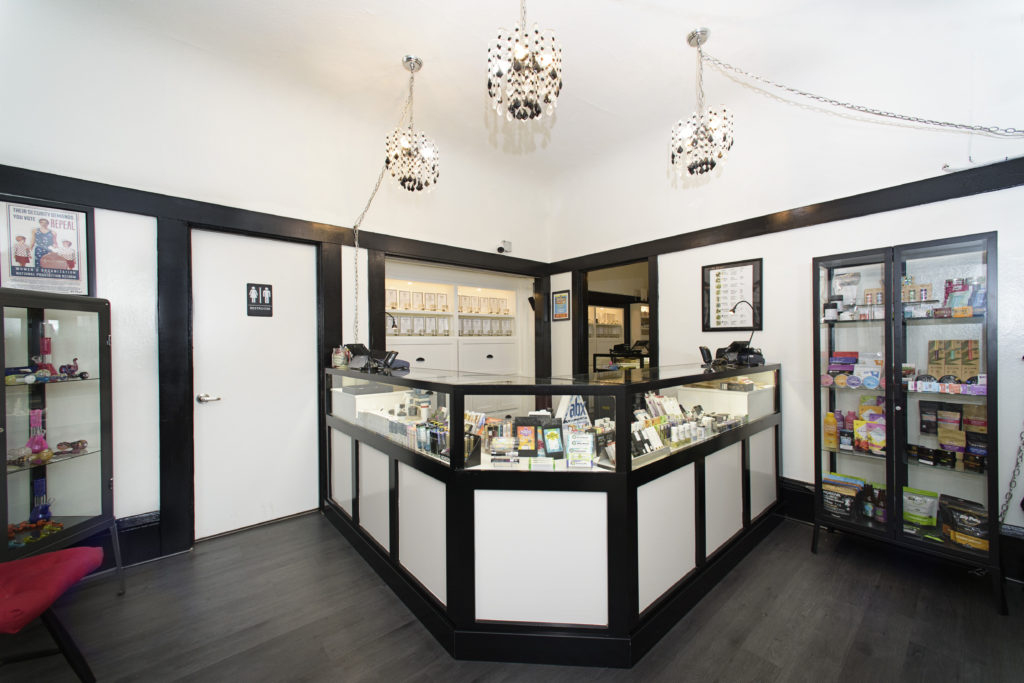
(487, 315)
(416, 311)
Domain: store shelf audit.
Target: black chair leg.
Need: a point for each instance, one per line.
(67, 646)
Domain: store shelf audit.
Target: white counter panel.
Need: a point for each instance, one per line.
(723, 486)
(374, 499)
(666, 533)
(762, 472)
(341, 470)
(422, 526)
(542, 556)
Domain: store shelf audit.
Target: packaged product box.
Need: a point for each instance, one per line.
(920, 510)
(975, 418)
(839, 494)
(964, 522)
(929, 416)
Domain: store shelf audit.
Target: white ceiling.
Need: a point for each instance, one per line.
(627, 68)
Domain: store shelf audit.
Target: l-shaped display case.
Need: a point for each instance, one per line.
(576, 528)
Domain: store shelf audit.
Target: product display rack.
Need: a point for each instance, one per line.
(938, 457)
(58, 479)
(488, 554)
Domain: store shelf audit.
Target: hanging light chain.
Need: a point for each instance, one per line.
(700, 79)
(412, 83)
(522, 15)
(990, 130)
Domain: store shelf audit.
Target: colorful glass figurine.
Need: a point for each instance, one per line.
(36, 441)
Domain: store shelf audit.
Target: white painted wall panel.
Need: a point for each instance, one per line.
(762, 471)
(422, 529)
(341, 469)
(666, 533)
(548, 566)
(126, 275)
(374, 499)
(723, 487)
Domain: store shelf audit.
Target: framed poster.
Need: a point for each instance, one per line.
(46, 247)
(724, 288)
(560, 309)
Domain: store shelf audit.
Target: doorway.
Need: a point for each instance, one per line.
(254, 349)
(617, 331)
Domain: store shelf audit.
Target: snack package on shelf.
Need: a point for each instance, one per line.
(964, 522)
(920, 510)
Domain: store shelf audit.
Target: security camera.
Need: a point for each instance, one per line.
(504, 247)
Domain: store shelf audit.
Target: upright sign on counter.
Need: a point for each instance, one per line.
(259, 300)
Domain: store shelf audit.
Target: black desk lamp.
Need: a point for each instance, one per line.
(740, 352)
(394, 323)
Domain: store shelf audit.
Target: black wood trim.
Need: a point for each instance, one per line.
(700, 513)
(460, 553)
(999, 176)
(329, 335)
(393, 493)
(542, 327)
(27, 185)
(174, 312)
(355, 481)
(659, 620)
(375, 299)
(654, 340)
(580, 339)
(745, 480)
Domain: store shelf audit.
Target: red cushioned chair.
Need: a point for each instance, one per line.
(28, 589)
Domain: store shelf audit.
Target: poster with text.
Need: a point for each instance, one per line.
(44, 249)
(732, 296)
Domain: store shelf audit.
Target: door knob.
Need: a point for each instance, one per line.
(206, 398)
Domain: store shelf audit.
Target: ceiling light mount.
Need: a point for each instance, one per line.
(698, 37)
(412, 63)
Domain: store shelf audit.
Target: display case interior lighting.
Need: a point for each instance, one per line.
(524, 71)
(702, 140)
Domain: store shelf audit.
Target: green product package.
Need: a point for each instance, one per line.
(920, 511)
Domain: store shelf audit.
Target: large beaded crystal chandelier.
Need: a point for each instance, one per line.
(524, 71)
(701, 141)
(412, 158)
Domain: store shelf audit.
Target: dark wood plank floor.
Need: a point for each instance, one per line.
(292, 601)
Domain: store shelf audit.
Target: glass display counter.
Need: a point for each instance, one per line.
(583, 513)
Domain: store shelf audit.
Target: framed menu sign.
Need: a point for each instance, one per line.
(731, 296)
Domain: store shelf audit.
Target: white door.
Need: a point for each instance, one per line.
(256, 445)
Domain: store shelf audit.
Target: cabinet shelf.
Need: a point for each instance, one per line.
(851, 323)
(966, 398)
(940, 468)
(860, 454)
(500, 316)
(975, 319)
(52, 382)
(418, 311)
(55, 460)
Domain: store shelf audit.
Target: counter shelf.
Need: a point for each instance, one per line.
(539, 558)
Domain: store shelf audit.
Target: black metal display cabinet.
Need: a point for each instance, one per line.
(58, 479)
(905, 380)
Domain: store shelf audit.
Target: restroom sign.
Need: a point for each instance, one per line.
(259, 299)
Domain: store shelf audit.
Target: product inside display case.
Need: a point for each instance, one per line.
(675, 418)
(947, 414)
(52, 421)
(853, 420)
(414, 418)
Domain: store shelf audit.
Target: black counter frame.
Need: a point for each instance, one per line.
(630, 633)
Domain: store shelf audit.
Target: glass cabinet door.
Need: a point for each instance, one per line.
(852, 433)
(52, 434)
(943, 347)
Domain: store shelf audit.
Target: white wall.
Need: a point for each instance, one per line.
(941, 62)
(561, 331)
(126, 275)
(788, 319)
(93, 95)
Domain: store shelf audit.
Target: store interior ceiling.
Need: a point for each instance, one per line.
(627, 67)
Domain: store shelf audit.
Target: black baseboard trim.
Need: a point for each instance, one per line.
(569, 646)
(138, 536)
(798, 503)
(668, 614)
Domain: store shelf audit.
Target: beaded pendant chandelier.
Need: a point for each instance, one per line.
(411, 157)
(524, 71)
(699, 142)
